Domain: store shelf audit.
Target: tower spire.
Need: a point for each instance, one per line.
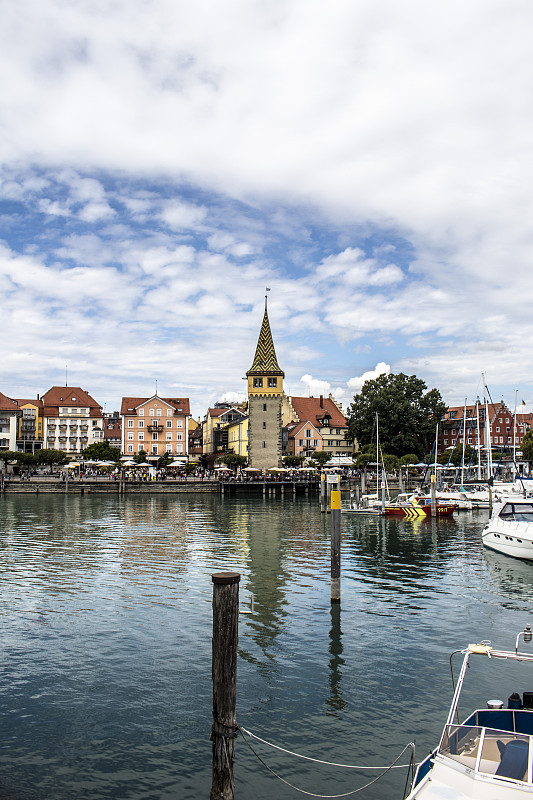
(265, 359)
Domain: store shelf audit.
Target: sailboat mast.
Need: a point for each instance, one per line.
(478, 442)
(514, 434)
(464, 443)
(488, 442)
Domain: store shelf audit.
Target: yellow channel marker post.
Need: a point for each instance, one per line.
(335, 546)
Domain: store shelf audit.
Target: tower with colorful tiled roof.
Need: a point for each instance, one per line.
(265, 392)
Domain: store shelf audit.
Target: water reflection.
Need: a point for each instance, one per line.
(335, 701)
(106, 636)
(510, 577)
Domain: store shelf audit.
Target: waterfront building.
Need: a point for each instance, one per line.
(157, 425)
(195, 439)
(30, 425)
(214, 426)
(265, 394)
(326, 418)
(237, 436)
(72, 419)
(113, 429)
(9, 416)
(469, 424)
(301, 439)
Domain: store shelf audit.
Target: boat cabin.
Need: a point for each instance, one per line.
(492, 742)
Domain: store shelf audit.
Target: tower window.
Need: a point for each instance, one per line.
(272, 383)
(264, 424)
(264, 444)
(258, 383)
(264, 406)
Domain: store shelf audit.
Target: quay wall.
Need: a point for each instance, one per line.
(110, 487)
(104, 486)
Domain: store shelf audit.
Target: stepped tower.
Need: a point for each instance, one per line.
(265, 392)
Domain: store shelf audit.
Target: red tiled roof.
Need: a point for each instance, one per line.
(33, 401)
(130, 404)
(69, 397)
(294, 431)
(6, 404)
(310, 408)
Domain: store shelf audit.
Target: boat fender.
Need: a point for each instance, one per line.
(483, 648)
(514, 701)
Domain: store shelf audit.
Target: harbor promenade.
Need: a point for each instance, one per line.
(104, 485)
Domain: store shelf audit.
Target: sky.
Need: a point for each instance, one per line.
(163, 164)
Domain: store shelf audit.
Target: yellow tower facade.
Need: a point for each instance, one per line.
(265, 392)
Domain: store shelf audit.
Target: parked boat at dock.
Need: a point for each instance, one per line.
(489, 755)
(510, 529)
(412, 506)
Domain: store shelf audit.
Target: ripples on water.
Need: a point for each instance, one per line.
(106, 641)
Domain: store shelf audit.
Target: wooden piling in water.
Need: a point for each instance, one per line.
(224, 671)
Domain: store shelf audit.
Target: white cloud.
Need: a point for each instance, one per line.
(356, 384)
(233, 397)
(370, 162)
(179, 215)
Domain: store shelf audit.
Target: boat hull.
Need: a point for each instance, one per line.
(416, 511)
(511, 533)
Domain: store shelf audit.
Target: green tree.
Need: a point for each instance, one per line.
(407, 414)
(321, 457)
(101, 451)
(50, 457)
(455, 456)
(409, 458)
(390, 462)
(293, 461)
(527, 445)
(7, 456)
(164, 460)
(233, 460)
(140, 457)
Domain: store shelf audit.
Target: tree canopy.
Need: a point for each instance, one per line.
(321, 457)
(102, 451)
(49, 456)
(527, 445)
(407, 414)
(293, 461)
(233, 460)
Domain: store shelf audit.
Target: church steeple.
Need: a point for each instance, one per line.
(265, 375)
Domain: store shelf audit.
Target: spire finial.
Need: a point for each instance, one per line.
(266, 298)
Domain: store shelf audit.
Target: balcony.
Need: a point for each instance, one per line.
(155, 427)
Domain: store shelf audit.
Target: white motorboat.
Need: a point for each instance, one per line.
(489, 756)
(510, 529)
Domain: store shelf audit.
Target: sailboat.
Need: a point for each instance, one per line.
(371, 503)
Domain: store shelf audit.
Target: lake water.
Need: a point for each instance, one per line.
(105, 688)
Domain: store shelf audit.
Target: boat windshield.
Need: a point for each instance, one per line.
(488, 750)
(517, 512)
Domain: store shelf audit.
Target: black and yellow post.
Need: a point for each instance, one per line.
(335, 546)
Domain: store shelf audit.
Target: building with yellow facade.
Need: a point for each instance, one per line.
(265, 393)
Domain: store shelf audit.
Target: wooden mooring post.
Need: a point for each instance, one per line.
(335, 545)
(224, 669)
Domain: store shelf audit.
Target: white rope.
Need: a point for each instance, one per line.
(317, 760)
(313, 794)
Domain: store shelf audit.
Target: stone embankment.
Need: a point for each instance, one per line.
(103, 486)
